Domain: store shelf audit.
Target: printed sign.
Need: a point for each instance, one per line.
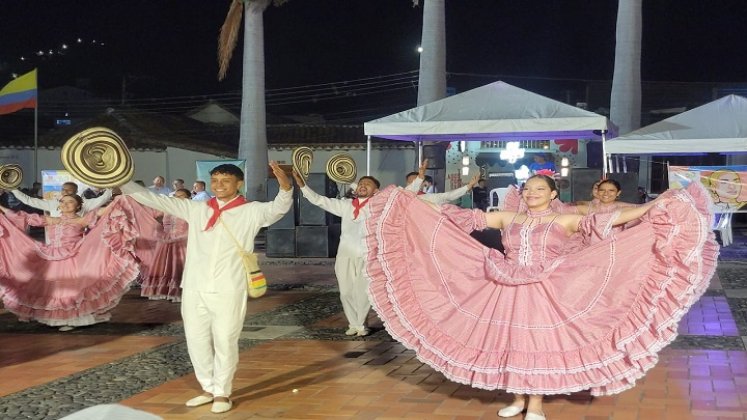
(727, 184)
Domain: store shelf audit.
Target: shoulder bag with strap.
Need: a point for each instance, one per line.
(256, 284)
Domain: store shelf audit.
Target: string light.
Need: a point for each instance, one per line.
(61, 50)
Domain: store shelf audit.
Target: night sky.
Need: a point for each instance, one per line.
(167, 48)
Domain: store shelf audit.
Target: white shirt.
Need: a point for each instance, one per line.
(53, 206)
(352, 231)
(213, 263)
(160, 190)
(201, 196)
(437, 198)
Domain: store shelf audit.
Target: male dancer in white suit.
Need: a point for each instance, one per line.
(415, 180)
(214, 280)
(351, 253)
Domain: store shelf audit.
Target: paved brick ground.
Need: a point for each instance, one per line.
(297, 364)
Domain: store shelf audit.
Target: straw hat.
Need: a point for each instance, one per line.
(11, 176)
(341, 168)
(302, 158)
(98, 157)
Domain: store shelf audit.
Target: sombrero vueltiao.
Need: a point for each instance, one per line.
(11, 176)
(98, 157)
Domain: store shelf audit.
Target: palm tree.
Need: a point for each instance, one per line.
(625, 100)
(253, 129)
(432, 76)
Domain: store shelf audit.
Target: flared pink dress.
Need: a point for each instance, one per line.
(75, 279)
(597, 207)
(150, 234)
(165, 275)
(554, 315)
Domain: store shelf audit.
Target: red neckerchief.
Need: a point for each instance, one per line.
(420, 193)
(217, 210)
(357, 206)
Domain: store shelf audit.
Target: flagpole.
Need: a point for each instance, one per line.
(36, 130)
(36, 140)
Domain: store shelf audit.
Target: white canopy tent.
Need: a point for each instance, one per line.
(489, 113)
(716, 127)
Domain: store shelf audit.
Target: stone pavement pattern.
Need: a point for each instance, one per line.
(296, 363)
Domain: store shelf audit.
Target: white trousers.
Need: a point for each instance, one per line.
(353, 289)
(212, 325)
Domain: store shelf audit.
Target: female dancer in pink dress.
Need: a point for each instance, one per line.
(555, 315)
(165, 276)
(75, 279)
(594, 194)
(605, 199)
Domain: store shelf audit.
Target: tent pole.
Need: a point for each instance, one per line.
(604, 154)
(420, 153)
(368, 155)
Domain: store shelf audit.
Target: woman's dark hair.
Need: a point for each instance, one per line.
(185, 191)
(610, 181)
(78, 201)
(548, 180)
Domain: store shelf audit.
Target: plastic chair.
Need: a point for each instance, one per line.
(497, 195)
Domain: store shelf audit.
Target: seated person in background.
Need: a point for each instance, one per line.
(480, 196)
(8, 200)
(198, 191)
(541, 162)
(428, 186)
(36, 190)
(177, 185)
(159, 186)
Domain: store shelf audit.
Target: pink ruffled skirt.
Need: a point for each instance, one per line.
(77, 289)
(165, 275)
(593, 319)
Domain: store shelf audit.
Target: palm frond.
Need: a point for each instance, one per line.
(229, 35)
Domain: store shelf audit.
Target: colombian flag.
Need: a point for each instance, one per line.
(19, 93)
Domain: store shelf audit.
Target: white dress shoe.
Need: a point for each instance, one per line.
(198, 401)
(510, 411)
(534, 416)
(351, 331)
(221, 406)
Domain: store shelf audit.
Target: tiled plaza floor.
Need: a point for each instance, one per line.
(296, 363)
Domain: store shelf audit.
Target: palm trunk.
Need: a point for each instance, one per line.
(253, 132)
(625, 101)
(432, 77)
